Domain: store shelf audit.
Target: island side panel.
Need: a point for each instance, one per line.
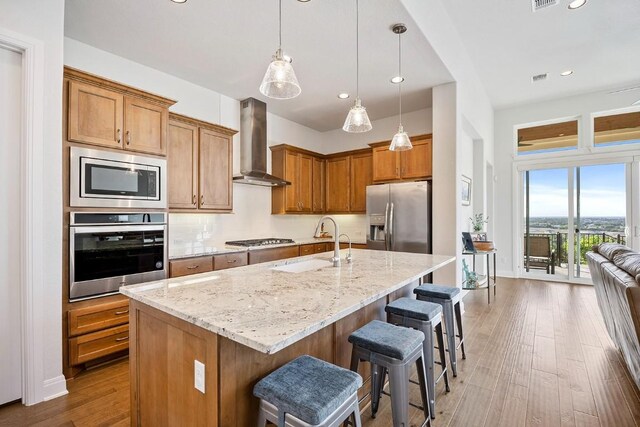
(162, 355)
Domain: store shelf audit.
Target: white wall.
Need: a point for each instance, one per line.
(251, 217)
(466, 107)
(415, 123)
(43, 20)
(505, 120)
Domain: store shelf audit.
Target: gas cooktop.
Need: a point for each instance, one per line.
(259, 242)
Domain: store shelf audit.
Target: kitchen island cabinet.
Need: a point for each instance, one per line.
(245, 322)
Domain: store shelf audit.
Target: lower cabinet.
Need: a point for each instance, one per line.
(312, 248)
(98, 330)
(185, 267)
(272, 254)
(224, 261)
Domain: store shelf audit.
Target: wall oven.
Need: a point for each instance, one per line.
(108, 250)
(116, 180)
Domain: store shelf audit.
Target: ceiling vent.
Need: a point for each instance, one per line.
(541, 4)
(539, 77)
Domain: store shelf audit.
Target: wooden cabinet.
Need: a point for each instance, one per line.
(296, 166)
(272, 254)
(309, 249)
(398, 165)
(224, 261)
(338, 184)
(361, 176)
(185, 267)
(200, 162)
(318, 177)
(109, 114)
(96, 330)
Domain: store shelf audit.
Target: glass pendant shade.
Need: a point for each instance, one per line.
(357, 120)
(280, 80)
(400, 141)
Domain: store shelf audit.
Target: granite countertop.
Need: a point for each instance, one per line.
(226, 249)
(268, 310)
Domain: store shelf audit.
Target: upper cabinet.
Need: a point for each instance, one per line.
(105, 113)
(318, 176)
(348, 175)
(398, 165)
(299, 167)
(200, 162)
(361, 177)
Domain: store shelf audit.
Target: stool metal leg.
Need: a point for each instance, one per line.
(262, 418)
(399, 388)
(357, 422)
(443, 357)
(428, 399)
(459, 324)
(377, 383)
(428, 363)
(451, 335)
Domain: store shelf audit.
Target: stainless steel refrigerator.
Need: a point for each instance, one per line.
(399, 217)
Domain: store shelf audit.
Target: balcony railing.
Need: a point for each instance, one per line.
(559, 245)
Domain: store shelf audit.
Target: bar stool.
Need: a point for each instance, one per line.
(309, 392)
(426, 317)
(391, 349)
(449, 298)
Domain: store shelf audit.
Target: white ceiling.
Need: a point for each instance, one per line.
(508, 43)
(226, 45)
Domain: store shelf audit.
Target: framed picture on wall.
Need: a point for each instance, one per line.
(466, 190)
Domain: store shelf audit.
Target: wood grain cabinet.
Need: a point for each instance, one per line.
(298, 167)
(361, 177)
(109, 114)
(232, 260)
(272, 254)
(200, 162)
(347, 179)
(412, 164)
(185, 267)
(319, 177)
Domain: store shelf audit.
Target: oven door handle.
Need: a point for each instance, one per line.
(116, 228)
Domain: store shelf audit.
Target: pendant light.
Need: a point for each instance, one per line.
(400, 141)
(357, 120)
(280, 80)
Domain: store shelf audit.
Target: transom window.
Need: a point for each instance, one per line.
(617, 129)
(548, 138)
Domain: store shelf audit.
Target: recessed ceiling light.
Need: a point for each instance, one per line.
(566, 73)
(304, 1)
(179, 1)
(576, 4)
(343, 95)
(397, 79)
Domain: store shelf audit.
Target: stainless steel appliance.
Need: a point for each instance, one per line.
(108, 250)
(400, 217)
(116, 180)
(259, 242)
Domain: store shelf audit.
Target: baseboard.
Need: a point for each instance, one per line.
(54, 387)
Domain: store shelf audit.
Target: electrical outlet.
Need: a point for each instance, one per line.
(198, 375)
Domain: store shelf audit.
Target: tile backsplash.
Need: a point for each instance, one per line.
(251, 219)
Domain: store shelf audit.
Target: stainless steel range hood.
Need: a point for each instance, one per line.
(253, 146)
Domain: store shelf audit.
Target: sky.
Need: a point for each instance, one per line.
(602, 191)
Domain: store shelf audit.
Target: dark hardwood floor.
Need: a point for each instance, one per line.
(538, 355)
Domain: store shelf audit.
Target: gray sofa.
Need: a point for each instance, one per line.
(615, 270)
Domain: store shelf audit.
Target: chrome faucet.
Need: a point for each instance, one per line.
(336, 251)
(348, 257)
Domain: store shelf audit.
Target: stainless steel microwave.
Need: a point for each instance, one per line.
(109, 179)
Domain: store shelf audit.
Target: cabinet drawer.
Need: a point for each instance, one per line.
(184, 267)
(320, 247)
(307, 249)
(100, 316)
(98, 344)
(272, 254)
(221, 262)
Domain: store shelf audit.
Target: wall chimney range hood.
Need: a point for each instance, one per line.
(253, 146)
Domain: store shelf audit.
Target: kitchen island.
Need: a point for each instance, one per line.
(245, 322)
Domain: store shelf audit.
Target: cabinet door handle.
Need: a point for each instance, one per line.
(201, 200)
(128, 137)
(119, 313)
(119, 135)
(194, 199)
(232, 261)
(122, 339)
(192, 267)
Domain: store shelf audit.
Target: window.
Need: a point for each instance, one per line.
(548, 138)
(616, 129)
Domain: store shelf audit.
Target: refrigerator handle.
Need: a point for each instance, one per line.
(386, 227)
(391, 228)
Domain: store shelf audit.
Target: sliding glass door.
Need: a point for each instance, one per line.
(567, 211)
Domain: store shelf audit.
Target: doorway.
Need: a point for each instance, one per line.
(10, 220)
(568, 210)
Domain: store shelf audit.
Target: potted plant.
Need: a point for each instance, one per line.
(477, 223)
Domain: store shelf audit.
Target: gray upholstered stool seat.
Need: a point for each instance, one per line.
(391, 349)
(437, 291)
(449, 298)
(389, 340)
(421, 310)
(309, 389)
